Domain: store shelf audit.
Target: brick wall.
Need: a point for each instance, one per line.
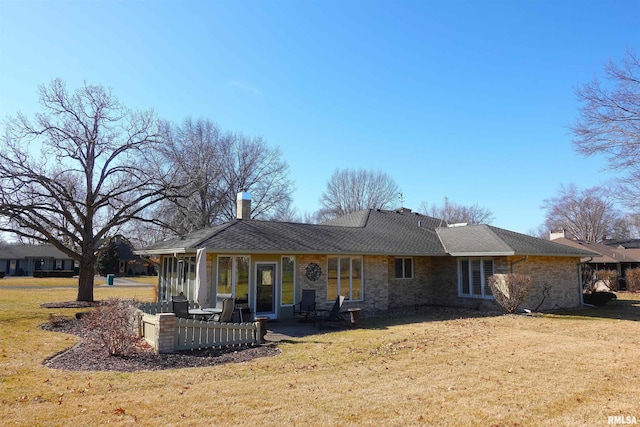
(558, 274)
(435, 282)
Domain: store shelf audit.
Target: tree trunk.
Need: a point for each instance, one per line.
(85, 280)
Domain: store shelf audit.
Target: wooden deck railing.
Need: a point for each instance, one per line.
(167, 333)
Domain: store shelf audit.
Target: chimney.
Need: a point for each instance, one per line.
(243, 205)
(558, 234)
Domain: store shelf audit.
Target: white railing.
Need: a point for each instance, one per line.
(167, 333)
(193, 334)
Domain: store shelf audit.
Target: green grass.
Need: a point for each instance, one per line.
(441, 367)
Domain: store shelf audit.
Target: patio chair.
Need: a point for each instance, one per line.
(307, 305)
(333, 315)
(220, 299)
(228, 305)
(181, 307)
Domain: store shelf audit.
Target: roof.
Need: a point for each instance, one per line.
(369, 232)
(623, 243)
(364, 232)
(486, 240)
(604, 254)
(31, 251)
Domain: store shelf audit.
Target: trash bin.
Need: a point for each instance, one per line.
(263, 326)
(110, 278)
(355, 315)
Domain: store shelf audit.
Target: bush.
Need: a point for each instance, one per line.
(610, 277)
(510, 290)
(111, 325)
(633, 279)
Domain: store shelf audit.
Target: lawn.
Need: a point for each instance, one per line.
(441, 367)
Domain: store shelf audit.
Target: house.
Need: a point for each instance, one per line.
(378, 259)
(30, 260)
(612, 255)
(129, 263)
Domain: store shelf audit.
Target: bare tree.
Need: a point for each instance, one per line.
(215, 166)
(588, 215)
(609, 122)
(350, 190)
(89, 178)
(453, 213)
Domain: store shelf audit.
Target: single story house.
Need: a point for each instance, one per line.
(378, 260)
(27, 260)
(606, 256)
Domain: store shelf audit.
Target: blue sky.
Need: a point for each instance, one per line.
(464, 99)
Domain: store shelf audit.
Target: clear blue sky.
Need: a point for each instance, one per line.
(465, 99)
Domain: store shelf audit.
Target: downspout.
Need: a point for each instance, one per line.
(526, 257)
(580, 289)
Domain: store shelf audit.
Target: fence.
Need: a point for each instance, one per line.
(168, 333)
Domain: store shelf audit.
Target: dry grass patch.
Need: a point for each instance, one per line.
(435, 368)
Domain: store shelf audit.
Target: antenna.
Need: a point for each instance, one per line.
(401, 198)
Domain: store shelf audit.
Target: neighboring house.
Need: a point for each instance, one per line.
(25, 260)
(611, 256)
(129, 263)
(378, 259)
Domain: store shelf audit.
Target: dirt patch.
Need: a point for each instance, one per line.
(88, 356)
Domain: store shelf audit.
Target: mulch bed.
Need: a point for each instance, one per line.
(91, 356)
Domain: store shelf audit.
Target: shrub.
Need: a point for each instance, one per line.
(609, 277)
(633, 279)
(111, 325)
(510, 290)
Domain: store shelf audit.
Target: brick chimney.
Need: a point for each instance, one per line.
(243, 205)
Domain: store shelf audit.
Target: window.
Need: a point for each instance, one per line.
(178, 276)
(404, 268)
(233, 276)
(473, 277)
(287, 291)
(344, 277)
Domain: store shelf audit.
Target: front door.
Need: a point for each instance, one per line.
(266, 289)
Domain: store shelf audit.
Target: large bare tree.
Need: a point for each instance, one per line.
(215, 166)
(77, 172)
(588, 215)
(453, 213)
(350, 190)
(609, 122)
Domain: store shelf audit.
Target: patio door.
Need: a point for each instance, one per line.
(266, 289)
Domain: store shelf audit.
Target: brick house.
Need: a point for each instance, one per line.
(378, 259)
(616, 255)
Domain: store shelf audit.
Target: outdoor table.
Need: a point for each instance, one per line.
(206, 313)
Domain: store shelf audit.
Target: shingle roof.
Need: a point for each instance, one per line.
(603, 253)
(371, 231)
(476, 240)
(31, 251)
(367, 232)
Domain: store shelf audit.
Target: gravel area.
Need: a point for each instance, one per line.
(88, 356)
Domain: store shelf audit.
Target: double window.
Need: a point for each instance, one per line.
(233, 276)
(344, 277)
(473, 277)
(404, 268)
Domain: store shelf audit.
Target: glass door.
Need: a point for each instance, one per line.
(266, 289)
